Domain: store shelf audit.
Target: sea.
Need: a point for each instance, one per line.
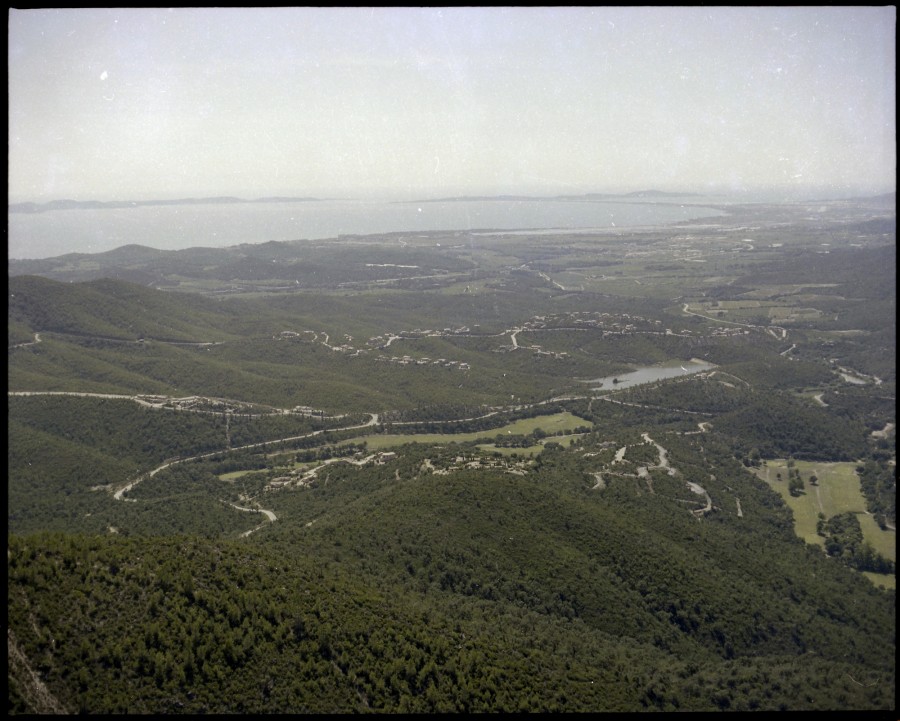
(53, 233)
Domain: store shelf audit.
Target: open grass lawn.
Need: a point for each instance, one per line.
(233, 475)
(549, 424)
(838, 492)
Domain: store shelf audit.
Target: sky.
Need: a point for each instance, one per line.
(154, 103)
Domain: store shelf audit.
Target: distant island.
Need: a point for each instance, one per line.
(638, 194)
(68, 204)
(103, 205)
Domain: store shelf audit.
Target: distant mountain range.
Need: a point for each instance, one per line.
(67, 204)
(661, 195)
(638, 194)
(99, 205)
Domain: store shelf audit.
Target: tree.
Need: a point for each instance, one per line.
(796, 485)
(755, 457)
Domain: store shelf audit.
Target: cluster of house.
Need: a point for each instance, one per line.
(303, 477)
(729, 331)
(618, 323)
(196, 404)
(383, 341)
(475, 461)
(409, 360)
(621, 323)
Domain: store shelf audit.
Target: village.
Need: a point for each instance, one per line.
(607, 323)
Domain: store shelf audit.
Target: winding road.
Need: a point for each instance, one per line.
(119, 494)
(765, 329)
(643, 472)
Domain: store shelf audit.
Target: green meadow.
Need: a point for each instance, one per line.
(233, 475)
(551, 425)
(838, 491)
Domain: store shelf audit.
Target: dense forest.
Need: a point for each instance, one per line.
(340, 487)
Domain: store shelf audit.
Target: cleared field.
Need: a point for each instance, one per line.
(779, 291)
(466, 287)
(549, 424)
(789, 312)
(640, 285)
(838, 491)
(233, 475)
(737, 304)
(880, 579)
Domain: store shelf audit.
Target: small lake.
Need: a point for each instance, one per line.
(650, 374)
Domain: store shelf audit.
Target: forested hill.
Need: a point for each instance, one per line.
(476, 591)
(644, 470)
(113, 309)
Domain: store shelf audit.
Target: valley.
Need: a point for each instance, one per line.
(460, 471)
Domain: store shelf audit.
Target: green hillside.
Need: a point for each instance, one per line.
(416, 474)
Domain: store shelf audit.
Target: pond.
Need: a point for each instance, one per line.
(650, 374)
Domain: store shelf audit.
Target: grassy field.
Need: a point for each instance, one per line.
(838, 491)
(233, 475)
(549, 424)
(552, 424)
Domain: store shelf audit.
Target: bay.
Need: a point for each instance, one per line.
(173, 227)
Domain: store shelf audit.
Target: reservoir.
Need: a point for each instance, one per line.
(650, 374)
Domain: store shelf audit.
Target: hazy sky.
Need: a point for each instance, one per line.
(155, 103)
